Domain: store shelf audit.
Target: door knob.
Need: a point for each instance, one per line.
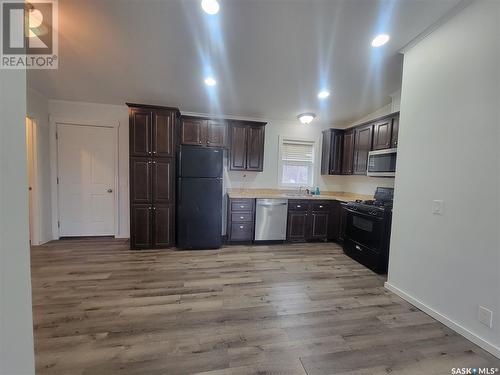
(110, 190)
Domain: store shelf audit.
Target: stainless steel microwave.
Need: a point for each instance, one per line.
(382, 163)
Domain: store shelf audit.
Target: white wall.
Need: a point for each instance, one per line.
(449, 150)
(16, 325)
(106, 115)
(38, 109)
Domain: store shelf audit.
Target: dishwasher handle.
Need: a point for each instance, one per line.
(271, 204)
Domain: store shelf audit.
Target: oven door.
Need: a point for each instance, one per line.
(364, 229)
(382, 163)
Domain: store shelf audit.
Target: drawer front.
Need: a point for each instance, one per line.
(242, 216)
(242, 205)
(298, 205)
(321, 206)
(241, 231)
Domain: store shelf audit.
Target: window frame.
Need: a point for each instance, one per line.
(313, 165)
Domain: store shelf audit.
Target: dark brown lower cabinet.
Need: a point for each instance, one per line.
(319, 225)
(308, 220)
(163, 219)
(140, 226)
(240, 220)
(297, 226)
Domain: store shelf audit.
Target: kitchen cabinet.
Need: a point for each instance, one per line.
(240, 220)
(348, 152)
(152, 175)
(362, 146)
(382, 132)
(199, 131)
(395, 132)
(308, 220)
(216, 133)
(331, 152)
(246, 146)
(334, 228)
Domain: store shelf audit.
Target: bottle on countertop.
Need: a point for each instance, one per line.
(317, 190)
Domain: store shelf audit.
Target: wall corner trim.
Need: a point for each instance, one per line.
(471, 336)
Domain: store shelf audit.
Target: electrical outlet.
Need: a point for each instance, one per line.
(438, 207)
(485, 316)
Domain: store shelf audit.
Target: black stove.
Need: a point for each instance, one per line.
(367, 229)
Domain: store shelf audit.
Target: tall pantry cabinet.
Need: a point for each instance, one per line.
(152, 175)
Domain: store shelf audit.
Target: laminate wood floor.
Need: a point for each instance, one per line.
(100, 308)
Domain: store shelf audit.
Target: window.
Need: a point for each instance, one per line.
(296, 162)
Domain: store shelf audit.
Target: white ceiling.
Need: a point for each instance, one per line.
(270, 57)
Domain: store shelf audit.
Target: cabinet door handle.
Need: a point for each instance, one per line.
(149, 208)
(242, 206)
(320, 206)
(241, 227)
(298, 206)
(241, 217)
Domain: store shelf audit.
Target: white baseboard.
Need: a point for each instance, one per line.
(489, 347)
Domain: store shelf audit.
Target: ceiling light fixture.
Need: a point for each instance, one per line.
(380, 40)
(323, 94)
(306, 118)
(210, 6)
(210, 81)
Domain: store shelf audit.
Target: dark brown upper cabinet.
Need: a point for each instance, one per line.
(238, 147)
(140, 132)
(382, 132)
(203, 132)
(348, 152)
(395, 132)
(255, 148)
(216, 133)
(331, 152)
(362, 146)
(151, 131)
(192, 130)
(152, 175)
(163, 133)
(246, 148)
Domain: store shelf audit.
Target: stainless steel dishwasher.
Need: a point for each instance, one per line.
(270, 219)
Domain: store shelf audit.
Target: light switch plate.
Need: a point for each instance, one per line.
(438, 207)
(485, 316)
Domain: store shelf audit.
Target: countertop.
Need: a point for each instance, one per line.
(293, 194)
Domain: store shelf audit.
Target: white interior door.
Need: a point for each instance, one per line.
(86, 172)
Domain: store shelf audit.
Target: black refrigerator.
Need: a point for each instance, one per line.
(199, 197)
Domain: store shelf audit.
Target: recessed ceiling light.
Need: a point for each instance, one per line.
(210, 81)
(323, 94)
(306, 118)
(210, 6)
(380, 40)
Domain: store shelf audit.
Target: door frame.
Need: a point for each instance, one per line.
(34, 213)
(65, 120)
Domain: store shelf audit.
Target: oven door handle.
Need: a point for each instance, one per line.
(363, 214)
